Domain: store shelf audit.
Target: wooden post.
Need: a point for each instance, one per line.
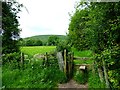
(106, 75)
(69, 66)
(72, 58)
(46, 59)
(65, 63)
(43, 63)
(22, 59)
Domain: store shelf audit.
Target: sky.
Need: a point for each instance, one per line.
(45, 17)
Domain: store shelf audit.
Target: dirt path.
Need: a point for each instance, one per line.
(72, 84)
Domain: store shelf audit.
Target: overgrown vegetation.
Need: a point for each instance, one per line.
(96, 26)
(81, 76)
(44, 40)
(32, 75)
(94, 81)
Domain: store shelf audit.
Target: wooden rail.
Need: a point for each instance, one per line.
(82, 58)
(83, 64)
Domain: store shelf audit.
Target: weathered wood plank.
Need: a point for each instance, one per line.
(83, 64)
(60, 60)
(82, 67)
(82, 58)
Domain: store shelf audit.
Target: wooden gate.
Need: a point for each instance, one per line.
(65, 62)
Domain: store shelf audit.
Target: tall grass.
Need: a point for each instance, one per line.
(85, 53)
(94, 81)
(32, 75)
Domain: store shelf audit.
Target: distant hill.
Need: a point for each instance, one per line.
(44, 38)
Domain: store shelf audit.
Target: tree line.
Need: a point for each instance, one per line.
(53, 40)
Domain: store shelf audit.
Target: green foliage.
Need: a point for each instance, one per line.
(77, 33)
(31, 42)
(11, 58)
(97, 25)
(94, 81)
(111, 57)
(33, 75)
(53, 40)
(10, 25)
(44, 38)
(81, 77)
(63, 45)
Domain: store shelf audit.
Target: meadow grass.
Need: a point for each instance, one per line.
(32, 50)
(85, 53)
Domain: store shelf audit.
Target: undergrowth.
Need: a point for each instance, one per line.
(94, 81)
(32, 75)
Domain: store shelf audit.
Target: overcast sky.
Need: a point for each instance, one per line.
(45, 17)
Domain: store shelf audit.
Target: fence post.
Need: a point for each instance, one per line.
(43, 63)
(46, 59)
(69, 65)
(22, 59)
(65, 63)
(72, 65)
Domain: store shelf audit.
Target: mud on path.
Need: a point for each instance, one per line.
(72, 84)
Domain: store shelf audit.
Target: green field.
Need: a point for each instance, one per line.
(32, 50)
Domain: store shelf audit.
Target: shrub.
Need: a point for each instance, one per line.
(11, 58)
(63, 45)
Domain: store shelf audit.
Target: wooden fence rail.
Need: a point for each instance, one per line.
(82, 58)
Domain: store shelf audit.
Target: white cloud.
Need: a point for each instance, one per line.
(45, 17)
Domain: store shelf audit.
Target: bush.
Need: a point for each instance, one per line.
(11, 58)
(63, 45)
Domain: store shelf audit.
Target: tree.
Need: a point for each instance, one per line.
(38, 43)
(77, 32)
(32, 42)
(53, 40)
(10, 25)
